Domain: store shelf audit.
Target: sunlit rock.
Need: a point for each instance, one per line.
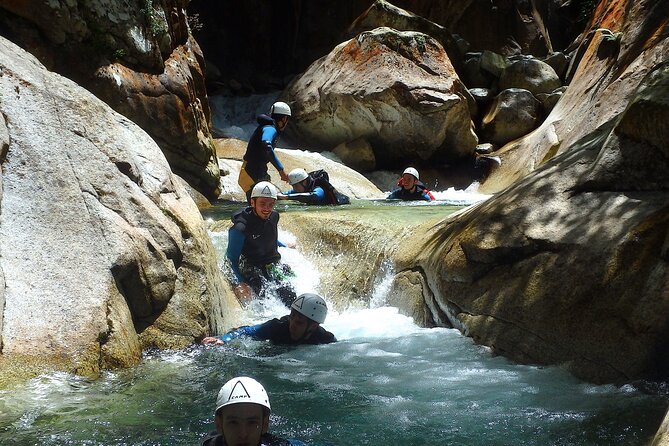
(398, 90)
(384, 14)
(104, 253)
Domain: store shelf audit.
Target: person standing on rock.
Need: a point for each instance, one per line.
(411, 187)
(313, 188)
(252, 251)
(260, 149)
(301, 326)
(242, 416)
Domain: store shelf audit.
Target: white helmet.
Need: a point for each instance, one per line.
(242, 390)
(312, 306)
(280, 108)
(297, 175)
(411, 171)
(264, 189)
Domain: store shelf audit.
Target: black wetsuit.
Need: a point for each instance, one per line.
(216, 439)
(254, 254)
(260, 149)
(277, 331)
(420, 193)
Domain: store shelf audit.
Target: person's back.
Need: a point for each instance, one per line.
(260, 148)
(278, 332)
(257, 155)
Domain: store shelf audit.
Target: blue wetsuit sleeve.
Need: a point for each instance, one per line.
(249, 330)
(268, 135)
(317, 196)
(234, 250)
(425, 196)
(280, 243)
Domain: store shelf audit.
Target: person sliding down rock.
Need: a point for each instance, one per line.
(301, 326)
(313, 188)
(252, 251)
(410, 187)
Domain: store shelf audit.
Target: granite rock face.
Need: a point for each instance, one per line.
(104, 253)
(397, 90)
(139, 58)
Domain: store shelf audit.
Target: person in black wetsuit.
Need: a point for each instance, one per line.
(411, 187)
(252, 251)
(260, 149)
(301, 326)
(242, 416)
(312, 188)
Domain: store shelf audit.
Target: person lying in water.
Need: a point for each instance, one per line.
(242, 416)
(301, 326)
(313, 188)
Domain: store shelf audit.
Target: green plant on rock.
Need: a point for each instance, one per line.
(610, 36)
(420, 41)
(155, 26)
(118, 53)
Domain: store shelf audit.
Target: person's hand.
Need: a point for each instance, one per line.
(243, 293)
(210, 340)
(284, 176)
(291, 245)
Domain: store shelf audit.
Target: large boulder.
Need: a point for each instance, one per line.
(140, 58)
(529, 74)
(513, 113)
(104, 253)
(384, 14)
(625, 44)
(397, 90)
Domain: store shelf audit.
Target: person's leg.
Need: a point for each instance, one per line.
(286, 293)
(279, 275)
(253, 275)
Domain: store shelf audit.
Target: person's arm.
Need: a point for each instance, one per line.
(268, 135)
(249, 330)
(234, 250)
(316, 196)
(426, 196)
(285, 195)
